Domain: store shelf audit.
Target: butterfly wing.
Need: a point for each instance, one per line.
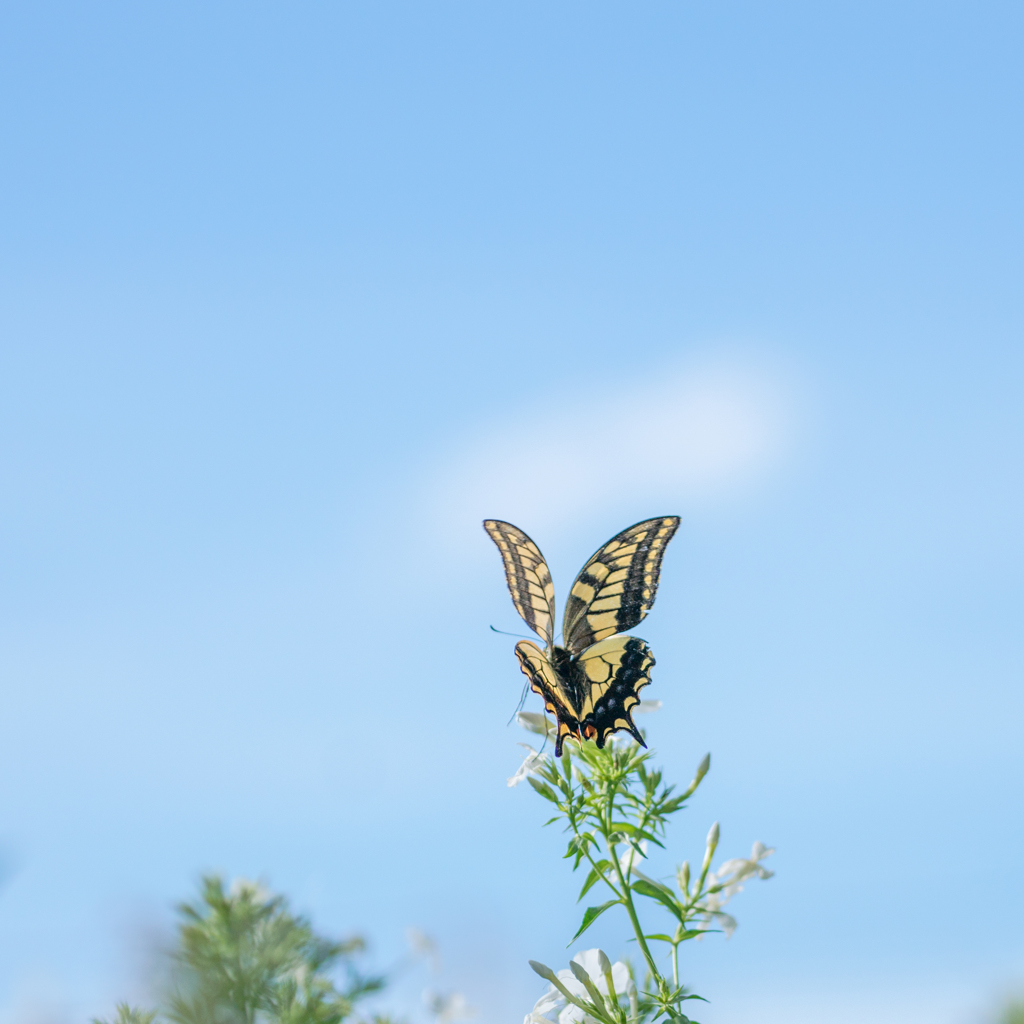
(616, 588)
(602, 691)
(545, 681)
(615, 669)
(529, 580)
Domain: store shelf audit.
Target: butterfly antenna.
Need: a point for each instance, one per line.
(506, 633)
(545, 743)
(522, 699)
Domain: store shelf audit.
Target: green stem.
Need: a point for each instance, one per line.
(604, 877)
(590, 859)
(631, 910)
(627, 893)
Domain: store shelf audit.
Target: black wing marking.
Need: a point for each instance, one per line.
(616, 588)
(600, 692)
(545, 681)
(616, 669)
(528, 576)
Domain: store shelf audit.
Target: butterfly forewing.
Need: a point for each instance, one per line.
(529, 580)
(616, 588)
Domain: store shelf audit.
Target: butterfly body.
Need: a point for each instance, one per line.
(590, 682)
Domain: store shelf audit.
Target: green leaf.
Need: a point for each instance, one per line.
(591, 915)
(641, 834)
(660, 938)
(658, 892)
(579, 844)
(692, 933)
(596, 874)
(544, 790)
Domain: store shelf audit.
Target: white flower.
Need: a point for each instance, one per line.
(551, 1000)
(728, 880)
(422, 945)
(590, 961)
(447, 1007)
(532, 763)
(740, 868)
(553, 1007)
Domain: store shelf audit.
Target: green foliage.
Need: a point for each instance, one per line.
(613, 805)
(242, 957)
(1012, 1014)
(128, 1015)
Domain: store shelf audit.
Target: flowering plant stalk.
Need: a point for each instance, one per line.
(613, 805)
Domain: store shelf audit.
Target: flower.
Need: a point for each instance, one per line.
(728, 881)
(554, 1008)
(449, 1007)
(422, 945)
(740, 868)
(532, 763)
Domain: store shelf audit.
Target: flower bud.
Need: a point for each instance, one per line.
(544, 971)
(578, 972)
(712, 844)
(606, 969)
(549, 975)
(633, 1003)
(684, 878)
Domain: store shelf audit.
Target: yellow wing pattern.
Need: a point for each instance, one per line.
(616, 588)
(592, 683)
(543, 680)
(591, 696)
(528, 576)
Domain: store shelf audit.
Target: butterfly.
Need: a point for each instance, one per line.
(589, 683)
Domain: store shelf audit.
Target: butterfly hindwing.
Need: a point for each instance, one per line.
(592, 683)
(590, 696)
(616, 588)
(529, 580)
(615, 670)
(558, 701)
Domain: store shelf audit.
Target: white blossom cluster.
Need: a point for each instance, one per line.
(556, 1006)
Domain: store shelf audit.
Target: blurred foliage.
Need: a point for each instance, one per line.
(1013, 1014)
(242, 957)
(129, 1015)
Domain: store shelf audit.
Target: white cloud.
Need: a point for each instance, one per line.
(645, 442)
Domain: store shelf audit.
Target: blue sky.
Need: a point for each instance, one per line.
(295, 295)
